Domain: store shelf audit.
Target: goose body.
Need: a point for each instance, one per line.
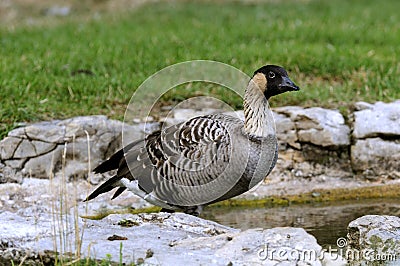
(205, 159)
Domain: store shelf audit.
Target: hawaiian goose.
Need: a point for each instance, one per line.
(206, 159)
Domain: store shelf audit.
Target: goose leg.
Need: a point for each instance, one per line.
(167, 210)
(195, 210)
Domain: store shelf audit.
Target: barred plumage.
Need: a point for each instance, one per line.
(205, 159)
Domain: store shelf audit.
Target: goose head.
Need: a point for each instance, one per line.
(273, 80)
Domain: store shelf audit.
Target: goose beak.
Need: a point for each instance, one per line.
(288, 84)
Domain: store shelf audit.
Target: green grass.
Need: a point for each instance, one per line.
(338, 52)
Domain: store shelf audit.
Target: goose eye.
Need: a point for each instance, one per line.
(271, 75)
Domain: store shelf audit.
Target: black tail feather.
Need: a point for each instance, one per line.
(114, 161)
(111, 164)
(105, 187)
(118, 192)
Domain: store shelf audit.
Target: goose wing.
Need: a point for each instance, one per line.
(184, 164)
(181, 165)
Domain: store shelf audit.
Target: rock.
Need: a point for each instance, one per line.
(9, 175)
(47, 131)
(73, 146)
(377, 236)
(15, 163)
(156, 238)
(25, 149)
(272, 246)
(376, 132)
(358, 106)
(286, 132)
(313, 142)
(377, 120)
(375, 155)
(32, 148)
(318, 126)
(45, 165)
(8, 146)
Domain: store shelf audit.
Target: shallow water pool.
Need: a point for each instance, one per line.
(326, 221)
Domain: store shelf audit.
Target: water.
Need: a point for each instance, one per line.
(327, 222)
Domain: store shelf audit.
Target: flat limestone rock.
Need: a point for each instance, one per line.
(8, 146)
(46, 148)
(155, 238)
(376, 155)
(318, 126)
(379, 119)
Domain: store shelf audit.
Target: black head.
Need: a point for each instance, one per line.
(273, 80)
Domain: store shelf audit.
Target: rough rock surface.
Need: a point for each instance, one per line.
(156, 239)
(313, 145)
(379, 235)
(376, 134)
(31, 212)
(375, 157)
(313, 142)
(317, 126)
(377, 120)
(72, 146)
